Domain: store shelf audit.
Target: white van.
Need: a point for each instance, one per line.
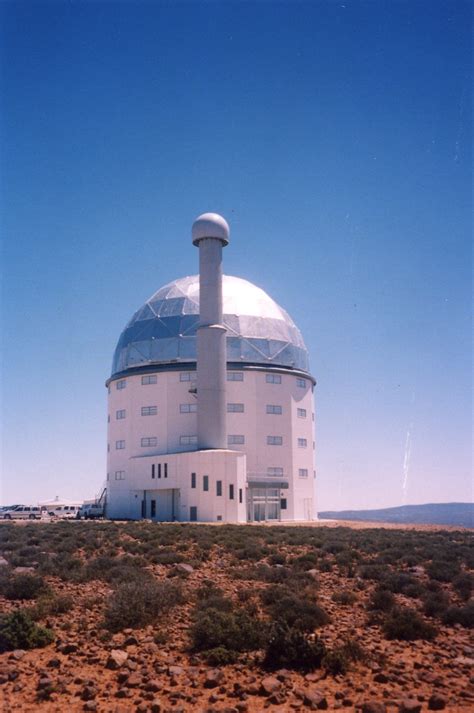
(65, 512)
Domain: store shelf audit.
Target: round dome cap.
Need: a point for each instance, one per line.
(163, 331)
(210, 225)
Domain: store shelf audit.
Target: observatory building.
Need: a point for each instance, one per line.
(211, 411)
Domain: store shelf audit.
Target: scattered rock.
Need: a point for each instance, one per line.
(3, 562)
(185, 568)
(380, 678)
(116, 659)
(373, 707)
(214, 678)
(409, 705)
(436, 702)
(270, 685)
(315, 700)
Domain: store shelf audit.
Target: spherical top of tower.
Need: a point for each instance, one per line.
(210, 225)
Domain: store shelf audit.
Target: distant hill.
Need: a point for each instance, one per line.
(461, 514)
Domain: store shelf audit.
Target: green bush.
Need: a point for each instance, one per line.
(344, 596)
(460, 615)
(462, 585)
(443, 570)
(336, 661)
(234, 631)
(138, 603)
(220, 656)
(406, 624)
(51, 604)
(293, 649)
(435, 603)
(294, 610)
(381, 600)
(18, 631)
(24, 586)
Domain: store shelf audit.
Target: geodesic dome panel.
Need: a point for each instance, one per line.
(163, 330)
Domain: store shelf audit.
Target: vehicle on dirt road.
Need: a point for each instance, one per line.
(22, 512)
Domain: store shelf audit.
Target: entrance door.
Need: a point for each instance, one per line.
(193, 513)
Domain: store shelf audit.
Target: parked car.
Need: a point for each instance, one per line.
(90, 511)
(22, 512)
(65, 512)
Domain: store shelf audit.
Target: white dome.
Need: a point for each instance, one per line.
(210, 225)
(163, 331)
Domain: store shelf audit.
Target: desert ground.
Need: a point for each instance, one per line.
(140, 616)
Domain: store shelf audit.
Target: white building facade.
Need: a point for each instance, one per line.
(156, 468)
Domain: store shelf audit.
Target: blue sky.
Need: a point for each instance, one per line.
(333, 136)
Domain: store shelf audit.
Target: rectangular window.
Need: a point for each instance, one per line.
(108, 447)
(231, 492)
(275, 471)
(275, 409)
(121, 384)
(166, 470)
(218, 487)
(108, 476)
(149, 379)
(274, 440)
(205, 483)
(153, 470)
(119, 475)
(159, 470)
(273, 378)
(235, 376)
(152, 508)
(188, 376)
(119, 445)
(187, 440)
(120, 414)
(187, 408)
(235, 440)
(149, 410)
(193, 480)
(240, 495)
(303, 472)
(108, 418)
(301, 383)
(149, 442)
(235, 408)
(283, 504)
(301, 412)
(302, 442)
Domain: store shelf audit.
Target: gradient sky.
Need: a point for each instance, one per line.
(333, 136)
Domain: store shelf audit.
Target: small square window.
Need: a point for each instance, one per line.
(149, 410)
(273, 378)
(303, 472)
(121, 384)
(119, 445)
(120, 414)
(301, 412)
(119, 475)
(235, 376)
(235, 408)
(302, 443)
(301, 383)
(149, 379)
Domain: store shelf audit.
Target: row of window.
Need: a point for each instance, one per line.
(274, 409)
(158, 470)
(192, 376)
(232, 440)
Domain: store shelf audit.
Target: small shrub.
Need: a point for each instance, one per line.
(135, 604)
(336, 661)
(406, 624)
(460, 615)
(277, 558)
(24, 586)
(18, 631)
(51, 604)
(234, 631)
(435, 603)
(462, 585)
(293, 649)
(443, 570)
(402, 583)
(220, 656)
(344, 596)
(381, 600)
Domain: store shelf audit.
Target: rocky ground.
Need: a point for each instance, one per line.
(87, 668)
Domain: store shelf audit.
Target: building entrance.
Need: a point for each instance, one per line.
(263, 504)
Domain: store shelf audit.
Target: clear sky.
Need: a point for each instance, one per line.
(333, 136)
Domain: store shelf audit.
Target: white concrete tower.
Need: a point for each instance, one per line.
(210, 233)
